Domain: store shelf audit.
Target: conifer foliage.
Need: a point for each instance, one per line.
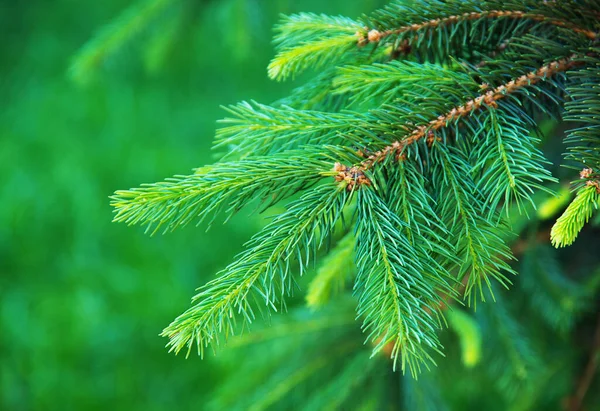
(416, 142)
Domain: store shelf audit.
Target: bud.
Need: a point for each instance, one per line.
(374, 36)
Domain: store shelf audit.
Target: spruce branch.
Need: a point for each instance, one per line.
(397, 78)
(225, 187)
(277, 129)
(508, 162)
(375, 36)
(442, 147)
(305, 27)
(488, 99)
(567, 227)
(315, 53)
(583, 110)
(308, 39)
(481, 250)
(401, 286)
(264, 269)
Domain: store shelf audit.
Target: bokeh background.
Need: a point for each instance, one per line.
(91, 102)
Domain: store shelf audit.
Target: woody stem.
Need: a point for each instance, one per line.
(374, 36)
(488, 99)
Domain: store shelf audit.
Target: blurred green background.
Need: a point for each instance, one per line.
(82, 300)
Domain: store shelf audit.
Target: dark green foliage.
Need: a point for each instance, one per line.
(419, 141)
(556, 298)
(584, 140)
(482, 253)
(516, 369)
(308, 351)
(505, 178)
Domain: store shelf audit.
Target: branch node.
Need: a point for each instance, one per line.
(586, 173)
(374, 36)
(594, 183)
(354, 177)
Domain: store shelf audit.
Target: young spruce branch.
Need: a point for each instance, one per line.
(416, 137)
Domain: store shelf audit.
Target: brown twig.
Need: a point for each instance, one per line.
(593, 179)
(488, 99)
(575, 402)
(375, 36)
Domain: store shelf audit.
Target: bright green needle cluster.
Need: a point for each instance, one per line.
(578, 213)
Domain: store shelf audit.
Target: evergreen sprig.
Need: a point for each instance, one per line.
(264, 269)
(223, 186)
(509, 164)
(424, 121)
(482, 252)
(582, 109)
(400, 286)
(276, 129)
(310, 40)
(388, 82)
(578, 213)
